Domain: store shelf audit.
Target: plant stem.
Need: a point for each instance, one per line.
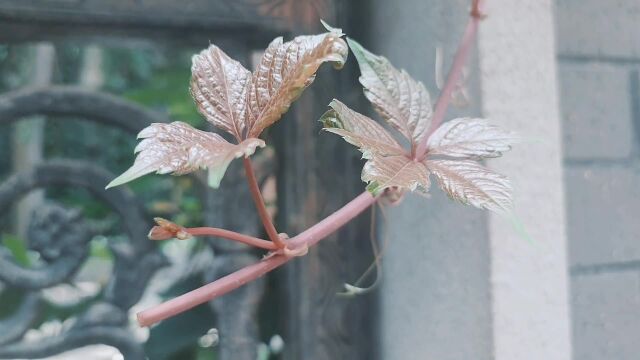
(454, 75)
(320, 230)
(262, 209)
(231, 235)
(232, 281)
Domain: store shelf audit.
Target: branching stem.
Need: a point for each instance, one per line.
(231, 235)
(320, 230)
(232, 281)
(260, 206)
(455, 73)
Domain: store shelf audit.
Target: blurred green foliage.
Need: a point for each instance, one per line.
(154, 76)
(17, 248)
(169, 91)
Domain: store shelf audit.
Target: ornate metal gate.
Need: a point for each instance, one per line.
(316, 325)
(61, 235)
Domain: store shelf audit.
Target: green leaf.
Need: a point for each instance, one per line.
(331, 28)
(374, 188)
(520, 228)
(215, 175)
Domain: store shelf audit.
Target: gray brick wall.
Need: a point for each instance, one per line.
(605, 306)
(596, 109)
(599, 28)
(599, 58)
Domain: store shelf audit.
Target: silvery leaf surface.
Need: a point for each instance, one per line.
(469, 138)
(177, 148)
(285, 70)
(219, 87)
(398, 98)
(470, 183)
(361, 131)
(397, 172)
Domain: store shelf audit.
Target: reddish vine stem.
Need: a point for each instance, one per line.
(453, 78)
(232, 281)
(231, 235)
(320, 230)
(262, 209)
(166, 230)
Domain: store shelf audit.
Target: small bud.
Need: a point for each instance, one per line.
(159, 233)
(301, 251)
(167, 230)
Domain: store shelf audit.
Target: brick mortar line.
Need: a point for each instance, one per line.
(634, 94)
(596, 269)
(632, 162)
(597, 59)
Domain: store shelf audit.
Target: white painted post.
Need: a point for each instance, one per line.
(529, 282)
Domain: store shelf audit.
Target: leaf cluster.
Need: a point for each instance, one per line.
(244, 103)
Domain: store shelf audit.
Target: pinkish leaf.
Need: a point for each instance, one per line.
(469, 138)
(285, 70)
(405, 104)
(471, 183)
(397, 172)
(219, 87)
(359, 130)
(399, 99)
(179, 149)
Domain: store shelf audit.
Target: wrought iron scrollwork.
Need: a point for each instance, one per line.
(17, 324)
(62, 236)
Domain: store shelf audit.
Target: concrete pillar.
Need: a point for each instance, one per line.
(460, 283)
(529, 281)
(435, 300)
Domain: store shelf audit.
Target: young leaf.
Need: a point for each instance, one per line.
(405, 104)
(359, 130)
(179, 148)
(471, 183)
(469, 138)
(395, 172)
(331, 28)
(399, 99)
(236, 101)
(285, 70)
(219, 87)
